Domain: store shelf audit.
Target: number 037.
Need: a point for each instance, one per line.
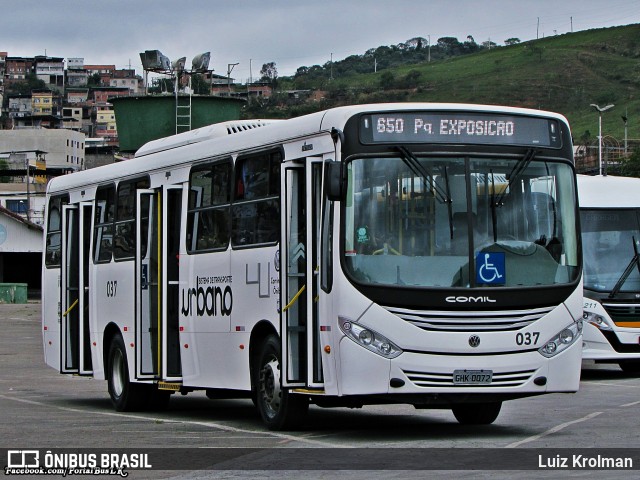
(527, 338)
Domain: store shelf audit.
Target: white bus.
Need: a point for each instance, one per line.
(610, 220)
(425, 254)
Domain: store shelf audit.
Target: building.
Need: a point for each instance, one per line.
(77, 76)
(104, 72)
(43, 103)
(64, 148)
(51, 71)
(254, 89)
(21, 244)
(3, 62)
(72, 117)
(106, 125)
(17, 69)
(126, 78)
(19, 106)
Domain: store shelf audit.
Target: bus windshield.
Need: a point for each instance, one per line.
(608, 237)
(436, 221)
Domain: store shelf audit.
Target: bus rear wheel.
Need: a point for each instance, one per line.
(125, 396)
(279, 408)
(477, 413)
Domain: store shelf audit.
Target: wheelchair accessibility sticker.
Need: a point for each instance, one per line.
(490, 268)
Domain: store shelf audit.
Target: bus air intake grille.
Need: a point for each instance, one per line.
(500, 379)
(491, 321)
(624, 315)
(237, 127)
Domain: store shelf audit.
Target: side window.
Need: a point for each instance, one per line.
(53, 254)
(104, 210)
(209, 203)
(124, 243)
(256, 208)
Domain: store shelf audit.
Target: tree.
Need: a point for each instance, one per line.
(199, 85)
(416, 43)
(31, 82)
(449, 46)
(470, 45)
(269, 72)
(387, 80)
(512, 41)
(162, 85)
(410, 80)
(630, 166)
(94, 80)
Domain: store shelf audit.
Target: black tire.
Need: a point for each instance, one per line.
(630, 366)
(125, 396)
(280, 409)
(477, 413)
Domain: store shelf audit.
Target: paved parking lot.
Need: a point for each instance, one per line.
(42, 409)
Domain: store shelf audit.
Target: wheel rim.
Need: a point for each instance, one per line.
(117, 373)
(270, 391)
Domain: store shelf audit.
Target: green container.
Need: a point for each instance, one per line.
(13, 293)
(143, 118)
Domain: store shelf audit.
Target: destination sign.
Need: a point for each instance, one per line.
(466, 128)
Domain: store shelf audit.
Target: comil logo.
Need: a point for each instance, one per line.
(465, 299)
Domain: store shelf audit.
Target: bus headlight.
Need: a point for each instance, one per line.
(562, 340)
(596, 320)
(369, 339)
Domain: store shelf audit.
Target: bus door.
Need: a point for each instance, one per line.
(301, 355)
(75, 345)
(157, 219)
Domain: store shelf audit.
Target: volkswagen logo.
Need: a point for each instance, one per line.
(474, 340)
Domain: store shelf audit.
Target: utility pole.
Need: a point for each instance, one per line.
(229, 70)
(28, 189)
(429, 52)
(600, 110)
(624, 119)
(250, 82)
(331, 78)
(538, 29)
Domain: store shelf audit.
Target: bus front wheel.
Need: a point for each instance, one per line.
(125, 396)
(476, 413)
(279, 409)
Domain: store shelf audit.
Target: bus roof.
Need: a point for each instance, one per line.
(608, 191)
(231, 137)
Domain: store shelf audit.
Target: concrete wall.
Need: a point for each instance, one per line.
(17, 236)
(63, 147)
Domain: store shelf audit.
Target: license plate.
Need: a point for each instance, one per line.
(472, 377)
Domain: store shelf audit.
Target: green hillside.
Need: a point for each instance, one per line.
(564, 73)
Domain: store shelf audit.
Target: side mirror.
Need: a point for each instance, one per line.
(333, 180)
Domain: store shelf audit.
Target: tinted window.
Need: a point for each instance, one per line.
(256, 208)
(53, 254)
(209, 207)
(103, 231)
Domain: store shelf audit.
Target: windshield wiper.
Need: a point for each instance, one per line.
(520, 166)
(418, 169)
(635, 261)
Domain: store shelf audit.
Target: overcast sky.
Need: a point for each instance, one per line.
(291, 33)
